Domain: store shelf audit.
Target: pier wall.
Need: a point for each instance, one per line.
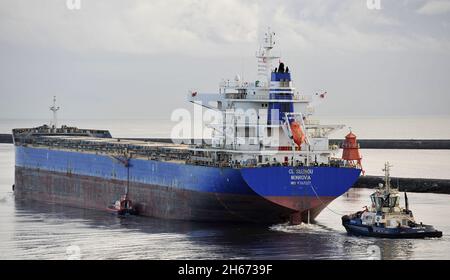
(6, 138)
(420, 185)
(422, 144)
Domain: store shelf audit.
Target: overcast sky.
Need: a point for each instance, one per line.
(138, 58)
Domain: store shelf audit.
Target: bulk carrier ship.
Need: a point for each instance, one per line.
(273, 167)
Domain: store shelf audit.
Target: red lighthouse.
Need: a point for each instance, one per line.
(350, 151)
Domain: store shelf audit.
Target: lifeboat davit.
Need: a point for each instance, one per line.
(297, 133)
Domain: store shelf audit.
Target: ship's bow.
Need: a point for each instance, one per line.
(306, 190)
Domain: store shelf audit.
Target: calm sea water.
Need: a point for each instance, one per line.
(44, 231)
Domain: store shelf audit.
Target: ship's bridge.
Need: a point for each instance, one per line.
(260, 119)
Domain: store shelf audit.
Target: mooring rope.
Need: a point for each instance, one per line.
(326, 206)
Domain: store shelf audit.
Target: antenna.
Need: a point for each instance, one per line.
(268, 39)
(387, 178)
(406, 202)
(54, 109)
(264, 56)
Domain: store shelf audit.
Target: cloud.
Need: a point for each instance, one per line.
(350, 26)
(132, 26)
(435, 8)
(116, 50)
(221, 27)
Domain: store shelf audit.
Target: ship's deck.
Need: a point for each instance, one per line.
(148, 150)
(112, 146)
(120, 141)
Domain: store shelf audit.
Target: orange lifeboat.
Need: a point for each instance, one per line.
(297, 133)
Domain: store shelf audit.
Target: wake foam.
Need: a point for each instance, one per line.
(301, 228)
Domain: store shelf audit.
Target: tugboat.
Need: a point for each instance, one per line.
(386, 218)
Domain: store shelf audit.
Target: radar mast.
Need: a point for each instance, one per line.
(54, 109)
(264, 56)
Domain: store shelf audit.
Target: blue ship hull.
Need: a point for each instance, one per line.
(177, 190)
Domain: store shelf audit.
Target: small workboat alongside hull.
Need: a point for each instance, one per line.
(122, 207)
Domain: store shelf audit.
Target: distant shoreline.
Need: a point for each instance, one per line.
(397, 144)
(419, 144)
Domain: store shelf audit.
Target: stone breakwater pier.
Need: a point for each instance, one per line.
(421, 144)
(420, 185)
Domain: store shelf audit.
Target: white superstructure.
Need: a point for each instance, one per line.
(265, 121)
